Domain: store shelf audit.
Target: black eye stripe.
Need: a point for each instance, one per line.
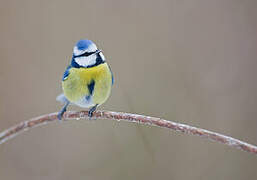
(86, 54)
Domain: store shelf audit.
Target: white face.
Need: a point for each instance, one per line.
(86, 60)
(90, 60)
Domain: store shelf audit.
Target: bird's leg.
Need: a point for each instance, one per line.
(91, 111)
(63, 110)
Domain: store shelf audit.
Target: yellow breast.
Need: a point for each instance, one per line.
(75, 86)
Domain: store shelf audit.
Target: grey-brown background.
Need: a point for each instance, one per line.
(193, 61)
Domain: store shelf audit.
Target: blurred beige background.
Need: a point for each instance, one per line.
(192, 61)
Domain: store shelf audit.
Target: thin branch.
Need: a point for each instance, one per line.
(141, 119)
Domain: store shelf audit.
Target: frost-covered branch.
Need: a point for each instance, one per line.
(120, 116)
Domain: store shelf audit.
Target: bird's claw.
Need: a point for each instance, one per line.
(91, 111)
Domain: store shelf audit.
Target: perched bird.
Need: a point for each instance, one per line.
(88, 80)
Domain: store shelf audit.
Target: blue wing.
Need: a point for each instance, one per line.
(66, 73)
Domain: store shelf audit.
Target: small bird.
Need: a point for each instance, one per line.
(88, 79)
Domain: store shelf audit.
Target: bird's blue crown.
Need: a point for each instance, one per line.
(84, 44)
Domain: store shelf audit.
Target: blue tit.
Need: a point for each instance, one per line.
(88, 79)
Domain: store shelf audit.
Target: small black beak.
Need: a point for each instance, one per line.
(98, 51)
